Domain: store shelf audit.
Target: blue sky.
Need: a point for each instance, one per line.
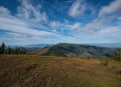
(24, 22)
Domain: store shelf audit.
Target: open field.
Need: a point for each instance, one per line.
(41, 71)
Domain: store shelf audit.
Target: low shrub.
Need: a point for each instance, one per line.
(103, 61)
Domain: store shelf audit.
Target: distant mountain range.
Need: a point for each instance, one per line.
(110, 45)
(75, 50)
(31, 46)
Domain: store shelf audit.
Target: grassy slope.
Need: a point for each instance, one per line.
(38, 71)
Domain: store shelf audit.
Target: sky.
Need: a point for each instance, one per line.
(26, 22)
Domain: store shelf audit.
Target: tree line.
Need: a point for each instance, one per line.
(9, 50)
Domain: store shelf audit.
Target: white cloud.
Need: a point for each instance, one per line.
(12, 20)
(111, 31)
(17, 35)
(109, 34)
(119, 18)
(4, 11)
(93, 27)
(54, 24)
(66, 21)
(21, 33)
(76, 26)
(20, 27)
(105, 16)
(113, 9)
(18, 32)
(30, 12)
(77, 8)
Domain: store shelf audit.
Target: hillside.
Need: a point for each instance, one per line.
(75, 50)
(40, 71)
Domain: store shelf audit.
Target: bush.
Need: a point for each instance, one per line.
(117, 55)
(103, 61)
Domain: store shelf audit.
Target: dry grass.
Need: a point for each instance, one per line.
(40, 71)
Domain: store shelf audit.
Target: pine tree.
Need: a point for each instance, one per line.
(9, 50)
(2, 48)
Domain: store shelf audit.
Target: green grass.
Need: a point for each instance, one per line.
(41, 71)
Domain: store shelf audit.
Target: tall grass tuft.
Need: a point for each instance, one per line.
(103, 61)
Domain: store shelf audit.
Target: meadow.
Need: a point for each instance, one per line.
(50, 71)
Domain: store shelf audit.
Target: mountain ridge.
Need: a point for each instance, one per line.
(75, 50)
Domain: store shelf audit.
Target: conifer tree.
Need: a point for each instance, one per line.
(2, 48)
